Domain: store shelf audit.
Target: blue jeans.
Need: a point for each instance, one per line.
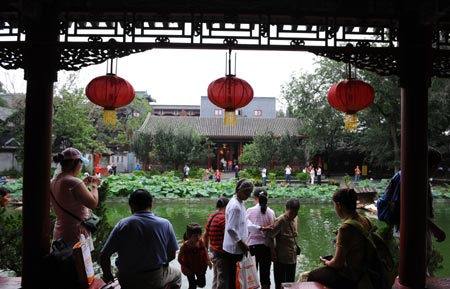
(288, 179)
(357, 178)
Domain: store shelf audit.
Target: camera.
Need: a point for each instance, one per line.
(327, 257)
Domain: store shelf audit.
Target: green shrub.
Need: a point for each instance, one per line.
(140, 173)
(11, 241)
(279, 172)
(104, 228)
(253, 172)
(245, 174)
(435, 263)
(196, 173)
(302, 177)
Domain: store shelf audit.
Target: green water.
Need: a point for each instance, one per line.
(317, 224)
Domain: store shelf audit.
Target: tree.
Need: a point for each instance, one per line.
(130, 119)
(438, 116)
(79, 123)
(267, 145)
(14, 124)
(306, 98)
(72, 124)
(266, 149)
(179, 145)
(142, 144)
(290, 150)
(378, 138)
(250, 154)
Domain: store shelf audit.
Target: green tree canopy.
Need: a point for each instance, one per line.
(172, 145)
(72, 122)
(266, 150)
(377, 138)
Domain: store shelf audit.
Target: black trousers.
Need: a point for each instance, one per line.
(283, 273)
(331, 278)
(263, 262)
(230, 261)
(196, 280)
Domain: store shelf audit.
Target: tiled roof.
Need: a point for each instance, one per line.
(214, 128)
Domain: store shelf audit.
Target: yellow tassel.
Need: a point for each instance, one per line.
(109, 117)
(350, 121)
(230, 118)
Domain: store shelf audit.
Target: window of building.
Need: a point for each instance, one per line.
(257, 112)
(217, 112)
(238, 112)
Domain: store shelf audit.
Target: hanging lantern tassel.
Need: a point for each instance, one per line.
(110, 92)
(109, 116)
(351, 96)
(350, 121)
(230, 118)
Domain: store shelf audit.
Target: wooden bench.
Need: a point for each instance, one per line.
(15, 283)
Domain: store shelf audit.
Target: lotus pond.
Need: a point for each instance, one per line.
(317, 224)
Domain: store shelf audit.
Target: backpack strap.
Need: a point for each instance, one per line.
(359, 227)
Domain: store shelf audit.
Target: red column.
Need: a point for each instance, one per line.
(415, 61)
(40, 71)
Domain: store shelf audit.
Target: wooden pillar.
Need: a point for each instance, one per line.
(40, 72)
(415, 62)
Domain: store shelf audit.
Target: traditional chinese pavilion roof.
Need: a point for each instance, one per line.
(211, 127)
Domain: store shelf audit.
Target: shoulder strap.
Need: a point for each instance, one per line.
(359, 227)
(293, 236)
(210, 220)
(62, 208)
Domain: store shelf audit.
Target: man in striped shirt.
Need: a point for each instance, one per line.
(214, 232)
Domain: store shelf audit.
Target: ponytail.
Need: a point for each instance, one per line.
(261, 194)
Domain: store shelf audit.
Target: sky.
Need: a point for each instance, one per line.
(177, 76)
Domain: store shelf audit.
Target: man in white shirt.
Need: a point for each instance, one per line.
(236, 231)
(264, 176)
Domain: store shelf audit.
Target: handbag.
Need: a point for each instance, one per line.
(298, 249)
(246, 274)
(91, 223)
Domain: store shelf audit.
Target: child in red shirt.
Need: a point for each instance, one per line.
(193, 256)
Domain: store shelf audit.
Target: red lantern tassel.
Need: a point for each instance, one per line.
(230, 118)
(109, 117)
(350, 121)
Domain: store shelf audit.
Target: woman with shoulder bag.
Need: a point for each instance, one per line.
(345, 268)
(285, 248)
(70, 197)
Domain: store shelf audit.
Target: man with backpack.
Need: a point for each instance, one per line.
(389, 205)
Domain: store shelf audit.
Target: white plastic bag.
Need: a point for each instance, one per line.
(82, 254)
(246, 274)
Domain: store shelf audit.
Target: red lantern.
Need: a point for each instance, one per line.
(110, 92)
(230, 93)
(351, 96)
